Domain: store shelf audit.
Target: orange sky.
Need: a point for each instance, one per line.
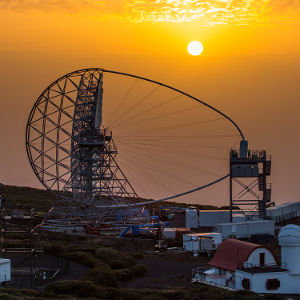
(249, 68)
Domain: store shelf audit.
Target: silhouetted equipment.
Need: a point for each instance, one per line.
(77, 159)
(249, 170)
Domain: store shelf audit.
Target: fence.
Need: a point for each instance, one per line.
(38, 271)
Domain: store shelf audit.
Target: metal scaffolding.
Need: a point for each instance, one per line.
(19, 239)
(249, 171)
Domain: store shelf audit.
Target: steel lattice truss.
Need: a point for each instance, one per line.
(72, 153)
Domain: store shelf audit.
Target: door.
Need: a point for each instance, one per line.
(261, 259)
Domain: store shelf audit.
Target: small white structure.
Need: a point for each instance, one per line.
(289, 240)
(246, 266)
(5, 270)
(245, 229)
(169, 233)
(191, 217)
(202, 242)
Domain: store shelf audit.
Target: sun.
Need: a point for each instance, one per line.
(195, 48)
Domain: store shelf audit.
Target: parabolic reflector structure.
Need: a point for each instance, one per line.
(104, 141)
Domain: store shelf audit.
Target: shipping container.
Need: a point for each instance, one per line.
(202, 242)
(191, 218)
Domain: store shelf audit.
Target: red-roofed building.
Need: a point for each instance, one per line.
(233, 254)
(246, 266)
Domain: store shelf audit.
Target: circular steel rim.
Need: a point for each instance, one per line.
(101, 70)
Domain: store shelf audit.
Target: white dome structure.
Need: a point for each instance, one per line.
(289, 240)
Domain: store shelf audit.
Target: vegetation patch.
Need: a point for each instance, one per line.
(103, 275)
(78, 289)
(107, 264)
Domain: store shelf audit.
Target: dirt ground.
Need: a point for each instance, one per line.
(166, 270)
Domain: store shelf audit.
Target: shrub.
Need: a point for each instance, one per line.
(115, 259)
(83, 258)
(104, 253)
(103, 275)
(128, 273)
(83, 249)
(138, 255)
(10, 293)
(54, 249)
(7, 297)
(124, 274)
(121, 262)
(75, 287)
(140, 270)
(129, 295)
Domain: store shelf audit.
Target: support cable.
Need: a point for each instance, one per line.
(123, 100)
(174, 196)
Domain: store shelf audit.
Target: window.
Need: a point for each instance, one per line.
(273, 284)
(246, 284)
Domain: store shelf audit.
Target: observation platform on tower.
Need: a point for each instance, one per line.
(252, 164)
(249, 170)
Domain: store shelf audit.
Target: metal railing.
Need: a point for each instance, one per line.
(247, 265)
(199, 272)
(251, 154)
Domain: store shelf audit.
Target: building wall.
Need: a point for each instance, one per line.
(290, 257)
(289, 284)
(221, 281)
(253, 258)
(245, 229)
(212, 217)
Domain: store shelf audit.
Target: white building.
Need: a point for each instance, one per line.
(195, 218)
(246, 266)
(208, 218)
(245, 229)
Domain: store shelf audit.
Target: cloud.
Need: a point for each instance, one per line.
(211, 12)
(73, 6)
(208, 12)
